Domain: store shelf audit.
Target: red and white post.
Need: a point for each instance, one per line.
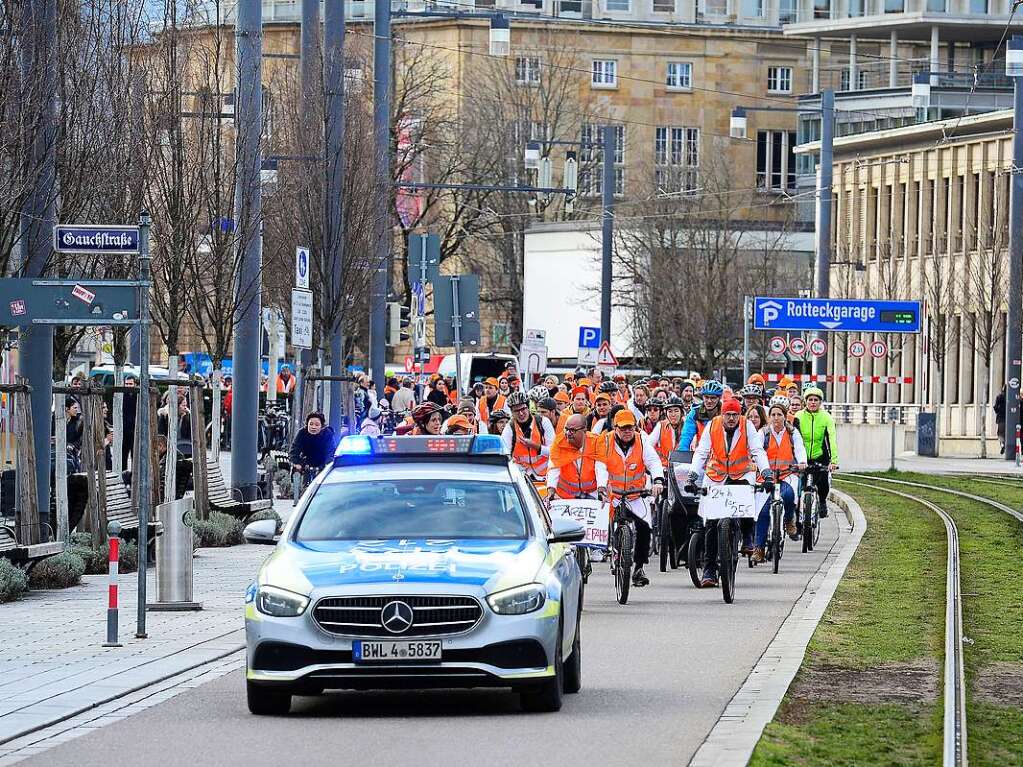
(114, 532)
(1017, 444)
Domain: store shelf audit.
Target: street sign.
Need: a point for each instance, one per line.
(797, 346)
(836, 315)
(818, 347)
(302, 268)
(83, 302)
(423, 249)
(302, 319)
(533, 353)
(878, 349)
(468, 308)
(589, 342)
(776, 345)
(857, 349)
(98, 240)
(606, 357)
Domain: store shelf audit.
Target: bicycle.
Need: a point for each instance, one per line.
(775, 535)
(300, 480)
(622, 544)
(729, 538)
(809, 508)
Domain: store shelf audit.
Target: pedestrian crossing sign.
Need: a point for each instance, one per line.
(605, 357)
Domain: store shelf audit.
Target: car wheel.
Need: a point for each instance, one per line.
(546, 696)
(574, 664)
(267, 701)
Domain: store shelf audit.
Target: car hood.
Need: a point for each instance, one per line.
(487, 564)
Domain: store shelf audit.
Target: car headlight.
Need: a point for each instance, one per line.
(519, 600)
(279, 603)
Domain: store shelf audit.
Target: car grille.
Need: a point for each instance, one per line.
(432, 615)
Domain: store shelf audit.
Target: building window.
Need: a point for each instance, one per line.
(604, 73)
(776, 160)
(894, 6)
(591, 157)
(822, 9)
(979, 6)
(664, 6)
(679, 75)
(753, 9)
(855, 7)
(779, 79)
(786, 11)
(618, 5)
(677, 157)
(935, 6)
(527, 70)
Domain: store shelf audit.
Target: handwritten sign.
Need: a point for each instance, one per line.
(727, 501)
(591, 514)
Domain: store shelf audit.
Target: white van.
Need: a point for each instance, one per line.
(475, 367)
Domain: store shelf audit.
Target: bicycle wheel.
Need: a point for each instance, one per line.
(807, 513)
(694, 560)
(777, 543)
(728, 559)
(816, 522)
(623, 566)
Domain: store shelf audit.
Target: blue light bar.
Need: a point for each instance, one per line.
(357, 449)
(354, 444)
(487, 444)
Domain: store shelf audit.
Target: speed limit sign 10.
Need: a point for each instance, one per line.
(857, 349)
(818, 347)
(776, 345)
(878, 349)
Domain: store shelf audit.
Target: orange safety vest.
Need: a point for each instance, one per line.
(484, 411)
(527, 457)
(723, 463)
(781, 456)
(578, 471)
(567, 413)
(628, 474)
(665, 442)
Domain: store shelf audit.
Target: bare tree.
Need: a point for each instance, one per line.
(943, 296)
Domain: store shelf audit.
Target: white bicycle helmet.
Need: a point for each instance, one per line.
(779, 401)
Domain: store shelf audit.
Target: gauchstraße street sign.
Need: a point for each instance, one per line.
(89, 238)
(836, 315)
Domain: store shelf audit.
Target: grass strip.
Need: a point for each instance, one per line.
(868, 689)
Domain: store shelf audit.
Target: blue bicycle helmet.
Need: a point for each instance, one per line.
(711, 388)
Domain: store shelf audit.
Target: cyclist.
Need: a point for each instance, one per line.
(313, 446)
(580, 405)
(548, 408)
(652, 417)
(687, 392)
(576, 467)
(818, 430)
(498, 421)
(428, 419)
(601, 407)
(528, 437)
(459, 424)
(664, 436)
(752, 394)
(629, 458)
(699, 417)
(787, 456)
(730, 452)
(622, 394)
(640, 396)
(491, 400)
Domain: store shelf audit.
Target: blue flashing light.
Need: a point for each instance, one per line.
(487, 444)
(354, 444)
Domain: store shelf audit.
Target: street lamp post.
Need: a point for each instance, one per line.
(1014, 328)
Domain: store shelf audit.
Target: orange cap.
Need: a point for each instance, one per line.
(492, 381)
(459, 420)
(603, 395)
(562, 397)
(625, 417)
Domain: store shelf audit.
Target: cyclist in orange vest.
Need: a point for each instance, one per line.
(629, 459)
(527, 437)
(702, 414)
(787, 456)
(730, 452)
(576, 467)
(580, 405)
(665, 435)
(491, 400)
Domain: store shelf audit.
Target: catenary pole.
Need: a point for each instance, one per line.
(827, 160)
(248, 221)
(35, 358)
(382, 148)
(607, 229)
(1014, 327)
(333, 229)
(142, 461)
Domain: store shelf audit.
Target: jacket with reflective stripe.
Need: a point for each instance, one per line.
(527, 457)
(781, 456)
(628, 474)
(725, 463)
(665, 442)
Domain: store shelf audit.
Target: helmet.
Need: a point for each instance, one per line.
(500, 414)
(421, 413)
(608, 387)
(517, 399)
(756, 378)
(712, 388)
(537, 393)
(813, 391)
(374, 412)
(751, 390)
(659, 402)
(779, 401)
(548, 403)
(674, 402)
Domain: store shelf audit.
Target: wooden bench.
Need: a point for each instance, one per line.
(220, 498)
(120, 508)
(17, 552)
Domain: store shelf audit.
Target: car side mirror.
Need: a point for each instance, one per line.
(566, 530)
(262, 531)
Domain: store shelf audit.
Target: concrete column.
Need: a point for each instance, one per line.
(853, 64)
(816, 52)
(893, 60)
(935, 60)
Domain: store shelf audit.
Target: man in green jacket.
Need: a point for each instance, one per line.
(818, 430)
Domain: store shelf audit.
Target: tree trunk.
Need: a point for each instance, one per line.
(984, 405)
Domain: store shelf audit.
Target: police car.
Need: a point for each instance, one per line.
(417, 562)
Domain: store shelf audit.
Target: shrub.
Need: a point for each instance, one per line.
(58, 572)
(217, 530)
(264, 514)
(97, 561)
(13, 582)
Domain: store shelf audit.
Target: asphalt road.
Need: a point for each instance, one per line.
(657, 674)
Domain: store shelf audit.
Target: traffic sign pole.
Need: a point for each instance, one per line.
(747, 311)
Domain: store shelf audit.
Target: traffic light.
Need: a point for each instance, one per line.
(398, 319)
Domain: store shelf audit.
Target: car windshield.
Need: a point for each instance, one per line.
(413, 508)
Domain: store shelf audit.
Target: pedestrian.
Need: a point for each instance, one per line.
(371, 426)
(405, 398)
(999, 408)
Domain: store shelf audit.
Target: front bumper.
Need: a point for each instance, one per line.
(500, 651)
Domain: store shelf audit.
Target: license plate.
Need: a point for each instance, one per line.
(395, 652)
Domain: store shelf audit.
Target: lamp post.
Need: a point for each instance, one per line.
(1014, 330)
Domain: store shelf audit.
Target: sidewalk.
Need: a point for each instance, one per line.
(52, 664)
(924, 465)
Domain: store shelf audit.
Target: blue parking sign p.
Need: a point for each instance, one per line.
(589, 338)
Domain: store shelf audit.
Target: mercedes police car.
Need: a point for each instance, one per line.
(417, 562)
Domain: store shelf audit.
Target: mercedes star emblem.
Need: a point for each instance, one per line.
(396, 617)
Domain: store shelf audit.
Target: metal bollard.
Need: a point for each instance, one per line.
(114, 532)
(1017, 445)
(174, 557)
